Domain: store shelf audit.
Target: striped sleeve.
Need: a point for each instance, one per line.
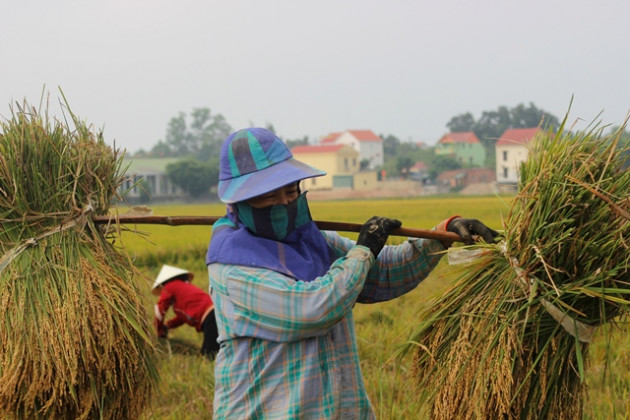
(272, 306)
(398, 269)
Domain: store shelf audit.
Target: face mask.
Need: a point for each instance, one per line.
(274, 222)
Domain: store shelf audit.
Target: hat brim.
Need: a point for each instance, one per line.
(157, 289)
(167, 273)
(265, 180)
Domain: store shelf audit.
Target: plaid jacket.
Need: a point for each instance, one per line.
(288, 348)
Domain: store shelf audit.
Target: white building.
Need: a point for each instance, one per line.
(368, 144)
(512, 150)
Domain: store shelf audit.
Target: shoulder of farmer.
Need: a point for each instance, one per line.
(240, 283)
(229, 278)
(174, 288)
(166, 296)
(184, 287)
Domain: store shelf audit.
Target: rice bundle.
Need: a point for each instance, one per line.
(74, 332)
(509, 338)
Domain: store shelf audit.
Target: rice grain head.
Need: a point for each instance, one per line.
(75, 338)
(503, 341)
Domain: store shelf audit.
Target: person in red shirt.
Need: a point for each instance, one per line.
(191, 305)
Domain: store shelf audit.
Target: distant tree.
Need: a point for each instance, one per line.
(390, 145)
(494, 123)
(200, 134)
(394, 150)
(145, 191)
(389, 165)
(442, 163)
(461, 123)
(623, 143)
(408, 149)
(424, 154)
(624, 136)
(177, 136)
(161, 149)
(526, 117)
(270, 127)
(193, 176)
(296, 142)
(139, 153)
(403, 164)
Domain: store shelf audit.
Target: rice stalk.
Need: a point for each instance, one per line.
(74, 332)
(509, 338)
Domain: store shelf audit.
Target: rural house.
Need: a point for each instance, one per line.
(368, 144)
(511, 150)
(419, 172)
(341, 164)
(152, 172)
(464, 147)
(462, 178)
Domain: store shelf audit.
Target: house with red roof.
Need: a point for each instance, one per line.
(512, 150)
(366, 142)
(341, 164)
(330, 138)
(464, 147)
(419, 172)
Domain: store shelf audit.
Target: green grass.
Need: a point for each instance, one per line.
(186, 389)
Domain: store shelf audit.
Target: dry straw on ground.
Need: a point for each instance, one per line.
(509, 339)
(74, 334)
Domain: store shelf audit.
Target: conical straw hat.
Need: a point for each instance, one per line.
(168, 272)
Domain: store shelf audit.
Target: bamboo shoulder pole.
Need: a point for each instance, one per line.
(323, 225)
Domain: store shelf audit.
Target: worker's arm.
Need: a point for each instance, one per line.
(398, 268)
(266, 304)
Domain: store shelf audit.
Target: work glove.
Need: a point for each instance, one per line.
(163, 332)
(160, 329)
(467, 228)
(375, 231)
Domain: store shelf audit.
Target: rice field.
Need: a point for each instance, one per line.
(186, 387)
(81, 344)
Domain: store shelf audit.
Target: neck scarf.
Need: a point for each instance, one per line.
(281, 238)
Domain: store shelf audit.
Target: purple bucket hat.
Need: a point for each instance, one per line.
(255, 161)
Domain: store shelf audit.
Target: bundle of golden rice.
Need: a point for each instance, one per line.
(74, 334)
(509, 339)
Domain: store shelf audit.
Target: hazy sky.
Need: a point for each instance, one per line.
(314, 67)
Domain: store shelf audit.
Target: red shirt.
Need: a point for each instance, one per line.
(189, 303)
